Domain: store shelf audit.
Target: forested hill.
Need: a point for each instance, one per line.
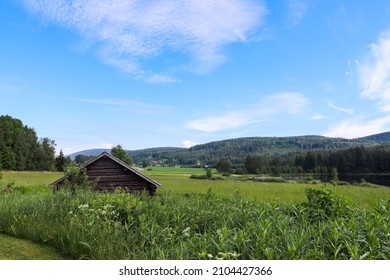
(379, 138)
(237, 149)
(279, 144)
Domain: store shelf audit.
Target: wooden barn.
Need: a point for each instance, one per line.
(112, 173)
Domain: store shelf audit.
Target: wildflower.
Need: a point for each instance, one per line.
(210, 256)
(186, 232)
(83, 206)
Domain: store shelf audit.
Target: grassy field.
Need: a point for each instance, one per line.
(19, 249)
(176, 179)
(198, 219)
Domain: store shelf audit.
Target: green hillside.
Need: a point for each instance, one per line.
(237, 149)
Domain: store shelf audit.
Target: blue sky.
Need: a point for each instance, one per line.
(94, 73)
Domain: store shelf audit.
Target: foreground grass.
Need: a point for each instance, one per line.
(17, 249)
(197, 226)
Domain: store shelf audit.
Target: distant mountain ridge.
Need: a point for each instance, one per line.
(380, 137)
(238, 148)
(90, 152)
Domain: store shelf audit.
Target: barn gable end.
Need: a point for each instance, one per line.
(112, 173)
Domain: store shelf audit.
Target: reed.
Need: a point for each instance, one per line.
(89, 225)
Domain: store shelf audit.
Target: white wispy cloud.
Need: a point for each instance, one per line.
(129, 32)
(349, 111)
(160, 79)
(318, 117)
(374, 72)
(286, 102)
(374, 77)
(297, 10)
(189, 143)
(358, 127)
(130, 105)
(217, 123)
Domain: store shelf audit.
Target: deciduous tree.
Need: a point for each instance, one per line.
(121, 153)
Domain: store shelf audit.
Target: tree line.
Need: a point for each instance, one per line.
(21, 149)
(357, 160)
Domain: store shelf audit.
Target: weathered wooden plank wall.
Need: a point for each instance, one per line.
(111, 173)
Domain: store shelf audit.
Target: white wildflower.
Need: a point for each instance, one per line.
(186, 232)
(83, 206)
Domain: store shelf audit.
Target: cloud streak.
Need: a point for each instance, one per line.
(374, 72)
(318, 117)
(374, 78)
(286, 102)
(341, 109)
(130, 105)
(129, 32)
(358, 127)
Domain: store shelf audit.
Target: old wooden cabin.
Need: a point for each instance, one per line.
(111, 173)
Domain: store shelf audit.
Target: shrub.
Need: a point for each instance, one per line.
(269, 179)
(77, 178)
(309, 178)
(217, 178)
(208, 173)
(343, 183)
(200, 177)
(323, 204)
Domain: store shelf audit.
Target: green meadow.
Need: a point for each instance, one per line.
(222, 218)
(176, 179)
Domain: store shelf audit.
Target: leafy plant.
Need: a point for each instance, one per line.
(76, 178)
(197, 226)
(323, 204)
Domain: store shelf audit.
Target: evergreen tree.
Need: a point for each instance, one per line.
(60, 161)
(46, 155)
(334, 175)
(253, 164)
(310, 162)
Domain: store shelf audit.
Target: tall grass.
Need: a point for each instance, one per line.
(197, 226)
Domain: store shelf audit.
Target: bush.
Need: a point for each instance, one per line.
(77, 178)
(200, 177)
(208, 173)
(323, 204)
(217, 178)
(309, 178)
(269, 179)
(343, 183)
